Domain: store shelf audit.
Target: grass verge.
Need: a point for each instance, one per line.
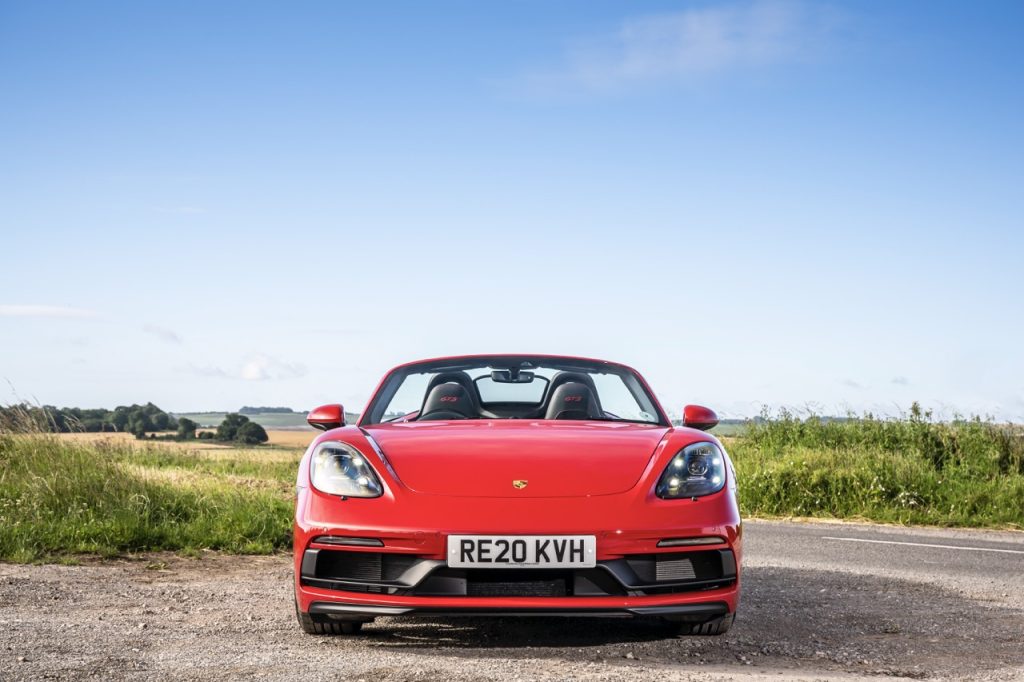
(909, 471)
(60, 497)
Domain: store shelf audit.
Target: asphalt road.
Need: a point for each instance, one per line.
(987, 565)
(820, 601)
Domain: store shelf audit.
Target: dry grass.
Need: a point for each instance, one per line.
(292, 439)
(202, 479)
(278, 438)
(110, 494)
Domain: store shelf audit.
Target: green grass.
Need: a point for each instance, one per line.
(61, 497)
(907, 471)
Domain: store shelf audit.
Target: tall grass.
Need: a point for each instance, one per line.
(912, 470)
(60, 496)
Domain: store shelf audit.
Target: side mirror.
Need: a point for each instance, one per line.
(326, 417)
(699, 417)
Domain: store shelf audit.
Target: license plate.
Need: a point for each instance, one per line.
(522, 551)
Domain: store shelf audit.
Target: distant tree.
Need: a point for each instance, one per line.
(251, 433)
(56, 419)
(92, 425)
(249, 409)
(131, 419)
(186, 429)
(228, 428)
(119, 418)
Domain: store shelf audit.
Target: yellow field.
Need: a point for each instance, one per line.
(284, 439)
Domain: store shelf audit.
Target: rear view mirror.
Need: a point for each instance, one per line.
(699, 417)
(505, 376)
(326, 417)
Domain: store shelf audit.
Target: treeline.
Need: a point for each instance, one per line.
(135, 419)
(238, 428)
(139, 420)
(248, 409)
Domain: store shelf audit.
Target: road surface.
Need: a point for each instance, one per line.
(821, 601)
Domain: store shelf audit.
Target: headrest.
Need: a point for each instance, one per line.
(572, 400)
(447, 401)
(460, 378)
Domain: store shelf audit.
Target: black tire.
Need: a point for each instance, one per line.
(712, 628)
(329, 627)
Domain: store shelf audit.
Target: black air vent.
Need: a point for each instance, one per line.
(674, 569)
(362, 566)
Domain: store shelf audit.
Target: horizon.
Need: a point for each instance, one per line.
(755, 204)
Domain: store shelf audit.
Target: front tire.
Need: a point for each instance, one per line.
(329, 627)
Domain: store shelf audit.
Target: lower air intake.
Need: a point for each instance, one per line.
(518, 588)
(676, 569)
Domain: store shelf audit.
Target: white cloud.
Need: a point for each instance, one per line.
(44, 311)
(208, 371)
(162, 333)
(255, 368)
(901, 381)
(262, 367)
(693, 43)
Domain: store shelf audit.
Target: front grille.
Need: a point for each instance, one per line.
(516, 588)
(405, 574)
(362, 566)
(522, 582)
(674, 569)
(676, 566)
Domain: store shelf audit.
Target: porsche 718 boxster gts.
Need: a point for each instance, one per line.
(513, 485)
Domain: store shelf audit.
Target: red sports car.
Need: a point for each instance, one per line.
(516, 485)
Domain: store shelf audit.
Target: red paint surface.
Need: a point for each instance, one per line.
(585, 477)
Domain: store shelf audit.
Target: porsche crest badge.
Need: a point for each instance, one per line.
(519, 483)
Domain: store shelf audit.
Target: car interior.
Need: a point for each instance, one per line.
(455, 395)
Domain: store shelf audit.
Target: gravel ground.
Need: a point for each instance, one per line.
(812, 609)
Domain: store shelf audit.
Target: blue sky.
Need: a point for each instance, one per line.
(771, 203)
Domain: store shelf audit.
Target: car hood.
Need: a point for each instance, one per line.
(484, 458)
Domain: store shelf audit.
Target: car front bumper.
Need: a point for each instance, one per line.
(358, 583)
(406, 573)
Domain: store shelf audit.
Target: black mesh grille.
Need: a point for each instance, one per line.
(676, 566)
(363, 566)
(674, 569)
(518, 583)
(516, 588)
(394, 565)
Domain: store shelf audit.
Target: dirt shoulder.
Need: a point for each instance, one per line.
(230, 617)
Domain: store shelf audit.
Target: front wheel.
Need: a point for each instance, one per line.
(329, 627)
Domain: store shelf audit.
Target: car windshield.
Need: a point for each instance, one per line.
(512, 388)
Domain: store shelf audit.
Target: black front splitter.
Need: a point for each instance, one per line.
(688, 612)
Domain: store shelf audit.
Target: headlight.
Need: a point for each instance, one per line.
(696, 470)
(339, 469)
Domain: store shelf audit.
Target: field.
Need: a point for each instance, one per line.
(108, 494)
(279, 439)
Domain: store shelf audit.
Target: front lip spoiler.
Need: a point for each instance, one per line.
(695, 612)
